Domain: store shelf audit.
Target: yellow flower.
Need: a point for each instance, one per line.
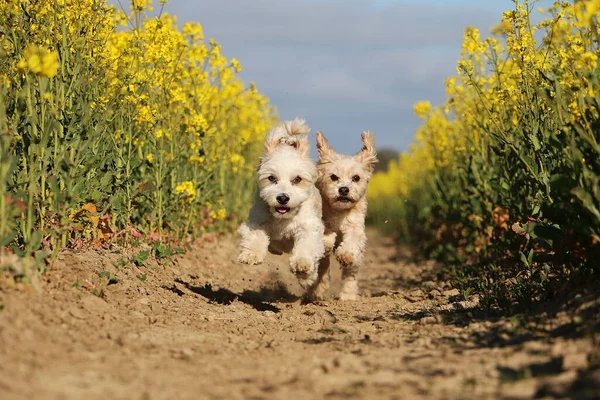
(196, 159)
(187, 190)
(235, 64)
(40, 61)
(465, 67)
(193, 30)
(471, 42)
(141, 5)
(221, 213)
(422, 109)
(150, 158)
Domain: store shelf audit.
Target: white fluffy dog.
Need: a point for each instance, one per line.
(287, 213)
(343, 184)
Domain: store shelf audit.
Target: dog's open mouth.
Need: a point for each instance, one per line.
(282, 210)
(344, 199)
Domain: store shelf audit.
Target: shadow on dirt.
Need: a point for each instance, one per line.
(583, 321)
(578, 318)
(584, 387)
(259, 300)
(579, 312)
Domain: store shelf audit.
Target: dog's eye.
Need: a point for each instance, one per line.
(272, 179)
(297, 180)
(334, 178)
(355, 178)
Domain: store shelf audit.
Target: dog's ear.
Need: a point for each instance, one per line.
(291, 133)
(367, 155)
(298, 130)
(271, 143)
(323, 149)
(296, 127)
(302, 145)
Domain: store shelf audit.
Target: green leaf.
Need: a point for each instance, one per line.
(587, 201)
(4, 241)
(161, 251)
(141, 258)
(35, 241)
(536, 142)
(530, 164)
(524, 259)
(548, 232)
(41, 256)
(106, 180)
(530, 256)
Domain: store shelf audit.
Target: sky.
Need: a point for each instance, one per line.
(345, 65)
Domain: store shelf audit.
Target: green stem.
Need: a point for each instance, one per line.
(31, 150)
(42, 158)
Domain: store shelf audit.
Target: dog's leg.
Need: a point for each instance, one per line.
(329, 241)
(350, 255)
(308, 250)
(319, 290)
(253, 245)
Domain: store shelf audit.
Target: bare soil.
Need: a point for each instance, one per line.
(200, 326)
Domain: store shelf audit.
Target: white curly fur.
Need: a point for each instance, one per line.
(344, 214)
(295, 227)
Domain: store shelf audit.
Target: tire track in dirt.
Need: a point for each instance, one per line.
(206, 327)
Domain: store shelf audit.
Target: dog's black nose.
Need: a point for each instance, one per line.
(282, 198)
(343, 191)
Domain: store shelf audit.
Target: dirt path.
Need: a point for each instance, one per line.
(206, 327)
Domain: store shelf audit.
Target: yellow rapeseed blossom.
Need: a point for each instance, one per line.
(486, 97)
(141, 5)
(422, 109)
(235, 64)
(196, 159)
(160, 101)
(39, 61)
(187, 190)
(221, 213)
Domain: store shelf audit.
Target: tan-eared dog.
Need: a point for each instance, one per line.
(343, 181)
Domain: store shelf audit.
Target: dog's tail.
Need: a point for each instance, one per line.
(291, 133)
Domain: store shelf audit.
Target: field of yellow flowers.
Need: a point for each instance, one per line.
(501, 183)
(116, 126)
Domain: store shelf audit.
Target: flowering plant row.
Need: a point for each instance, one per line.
(502, 180)
(114, 125)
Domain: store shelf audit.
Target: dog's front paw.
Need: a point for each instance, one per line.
(248, 257)
(305, 271)
(345, 256)
(348, 296)
(349, 290)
